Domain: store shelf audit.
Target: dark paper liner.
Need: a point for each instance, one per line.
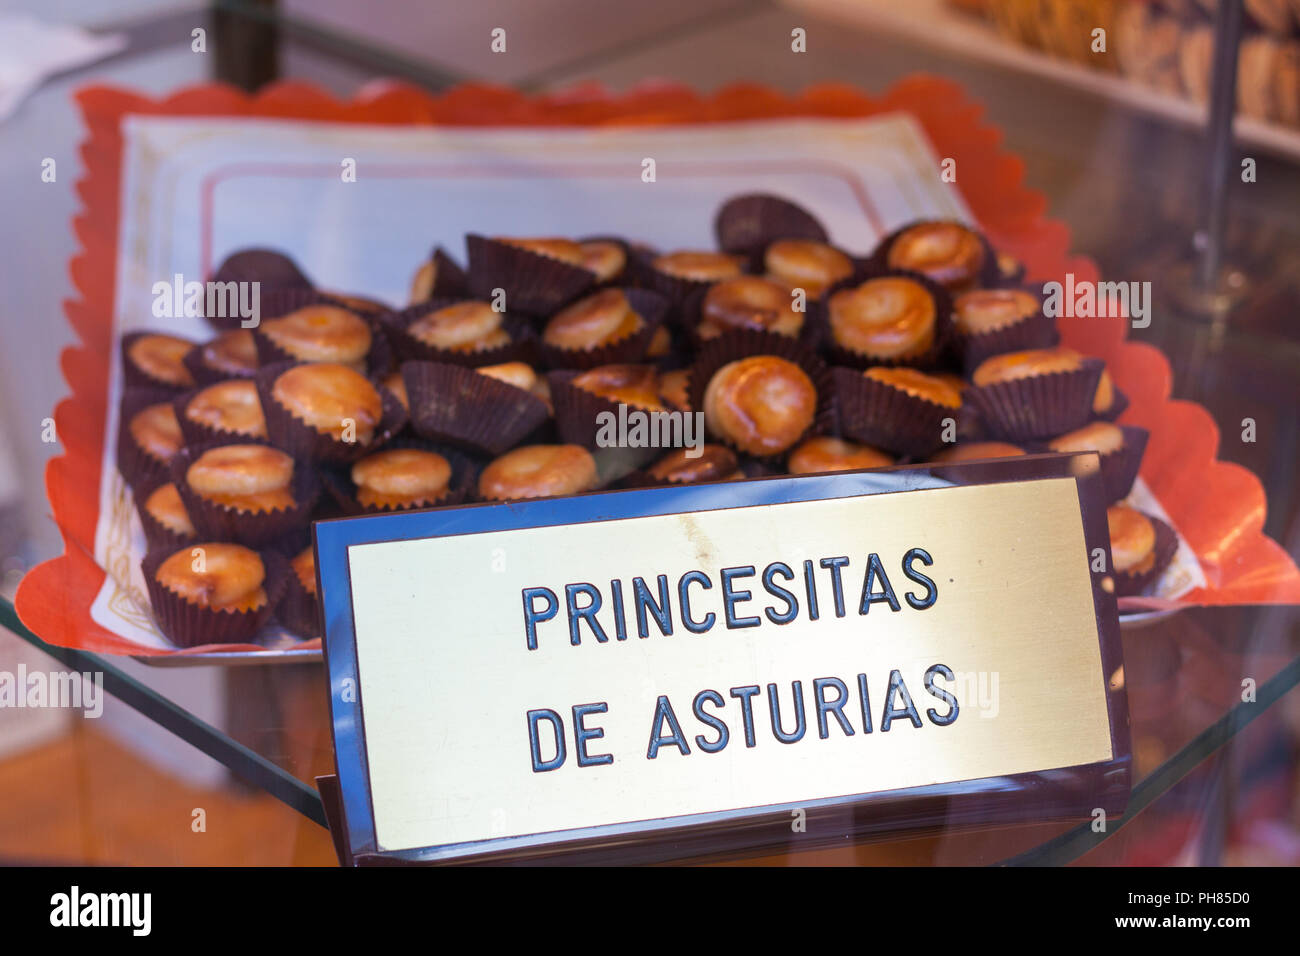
(206, 375)
(464, 479)
(189, 625)
(1118, 405)
(1128, 584)
(465, 408)
(624, 276)
(1010, 275)
(298, 611)
(1120, 468)
(935, 357)
(137, 466)
(198, 435)
(746, 225)
(534, 284)
(364, 306)
(449, 278)
(304, 443)
(1037, 407)
(379, 360)
(1037, 331)
(642, 477)
(886, 417)
(713, 355)
(631, 349)
(674, 288)
(987, 277)
(522, 346)
(214, 522)
(272, 270)
(812, 334)
(135, 377)
(576, 410)
(157, 536)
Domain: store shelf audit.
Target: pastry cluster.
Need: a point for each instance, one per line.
(797, 355)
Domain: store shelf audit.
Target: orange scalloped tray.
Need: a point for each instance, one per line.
(1218, 507)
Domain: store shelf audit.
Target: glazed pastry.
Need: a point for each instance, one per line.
(987, 310)
(401, 478)
(231, 406)
(164, 506)
(1119, 448)
(253, 478)
(823, 453)
(600, 319)
(538, 471)
(520, 375)
(156, 431)
(804, 264)
(761, 404)
(228, 578)
(161, 358)
(975, 450)
(891, 317)
(231, 354)
(1132, 539)
(917, 384)
(1012, 366)
(747, 302)
(330, 398)
(698, 266)
(606, 259)
(661, 343)
(463, 327)
(566, 250)
(1101, 437)
(713, 463)
(945, 252)
(629, 384)
(304, 569)
(320, 333)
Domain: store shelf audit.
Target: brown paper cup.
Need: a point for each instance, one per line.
(988, 276)
(746, 225)
(1118, 406)
(1128, 584)
(283, 528)
(1037, 407)
(137, 466)
(713, 355)
(886, 417)
(157, 536)
(272, 270)
(1037, 331)
(462, 407)
(206, 375)
(464, 478)
(651, 306)
(937, 356)
(534, 284)
(298, 611)
(522, 346)
(379, 360)
(189, 625)
(812, 334)
(134, 377)
(304, 443)
(199, 435)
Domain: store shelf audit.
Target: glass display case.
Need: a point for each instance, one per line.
(1161, 157)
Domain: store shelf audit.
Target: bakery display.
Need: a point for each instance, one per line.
(500, 380)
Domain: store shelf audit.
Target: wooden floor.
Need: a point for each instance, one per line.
(85, 799)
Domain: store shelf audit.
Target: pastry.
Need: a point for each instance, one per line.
(536, 275)
(1034, 393)
(229, 409)
(231, 354)
(805, 264)
(947, 253)
(156, 432)
(674, 389)
(163, 516)
(439, 277)
(627, 384)
(698, 266)
(890, 318)
(606, 258)
(1119, 448)
(538, 471)
(461, 327)
(489, 409)
(687, 466)
(600, 319)
(223, 577)
(155, 359)
(401, 478)
(823, 453)
(761, 405)
(992, 321)
(1141, 547)
(896, 409)
(320, 333)
(747, 302)
(978, 450)
(251, 478)
(334, 400)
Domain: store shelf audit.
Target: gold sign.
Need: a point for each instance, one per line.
(546, 679)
